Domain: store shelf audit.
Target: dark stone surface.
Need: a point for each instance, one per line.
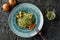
(50, 30)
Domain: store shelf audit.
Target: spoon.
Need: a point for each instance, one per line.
(39, 33)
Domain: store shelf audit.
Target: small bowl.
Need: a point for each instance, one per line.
(28, 8)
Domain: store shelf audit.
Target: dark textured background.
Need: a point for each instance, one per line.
(50, 30)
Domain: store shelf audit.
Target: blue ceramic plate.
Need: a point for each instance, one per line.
(28, 8)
